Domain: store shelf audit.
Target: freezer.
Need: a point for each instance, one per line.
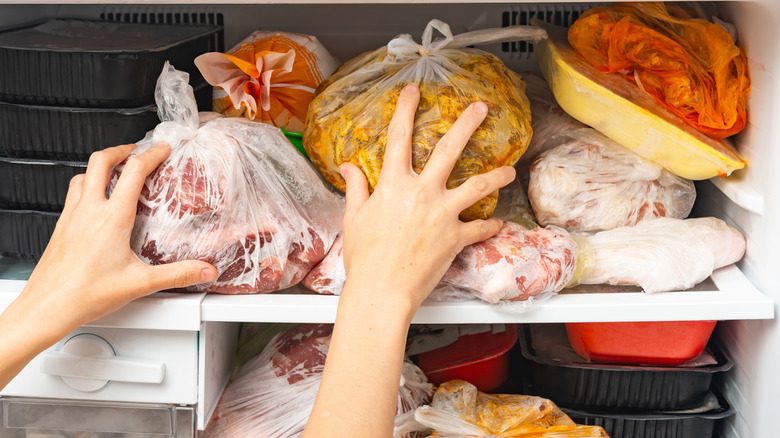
(170, 355)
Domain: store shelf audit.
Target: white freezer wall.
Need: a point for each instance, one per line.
(347, 29)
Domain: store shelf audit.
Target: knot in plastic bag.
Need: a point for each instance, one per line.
(404, 47)
(176, 106)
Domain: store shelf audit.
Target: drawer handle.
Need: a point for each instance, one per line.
(87, 362)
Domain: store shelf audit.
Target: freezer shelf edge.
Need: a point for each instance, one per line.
(736, 298)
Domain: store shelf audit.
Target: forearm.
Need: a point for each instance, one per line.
(26, 329)
(359, 390)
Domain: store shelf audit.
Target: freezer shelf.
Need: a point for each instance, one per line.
(729, 295)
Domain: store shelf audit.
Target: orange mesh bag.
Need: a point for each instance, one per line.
(691, 66)
(268, 77)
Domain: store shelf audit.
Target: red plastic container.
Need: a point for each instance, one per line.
(479, 358)
(640, 343)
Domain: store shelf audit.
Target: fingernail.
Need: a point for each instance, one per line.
(344, 169)
(162, 144)
(411, 88)
(480, 108)
(207, 276)
(510, 171)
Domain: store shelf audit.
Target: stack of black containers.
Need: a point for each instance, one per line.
(628, 401)
(69, 87)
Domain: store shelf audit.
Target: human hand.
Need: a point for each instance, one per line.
(88, 268)
(406, 234)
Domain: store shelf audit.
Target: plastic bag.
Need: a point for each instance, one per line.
(268, 77)
(691, 66)
(458, 410)
(234, 193)
(514, 269)
(590, 183)
(662, 254)
(351, 110)
(274, 392)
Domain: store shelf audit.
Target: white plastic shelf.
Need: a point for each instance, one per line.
(729, 295)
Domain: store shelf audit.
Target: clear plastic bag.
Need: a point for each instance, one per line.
(459, 410)
(590, 183)
(234, 193)
(514, 269)
(269, 77)
(351, 110)
(689, 65)
(662, 254)
(274, 393)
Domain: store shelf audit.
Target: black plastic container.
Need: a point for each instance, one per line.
(24, 234)
(556, 372)
(73, 133)
(695, 423)
(69, 133)
(70, 62)
(36, 184)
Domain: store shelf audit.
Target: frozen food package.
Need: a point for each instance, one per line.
(458, 410)
(232, 192)
(590, 183)
(274, 392)
(350, 112)
(659, 255)
(515, 269)
(513, 204)
(548, 120)
(269, 77)
(631, 117)
(689, 65)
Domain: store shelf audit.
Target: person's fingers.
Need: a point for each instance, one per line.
(99, 168)
(448, 149)
(357, 187)
(134, 174)
(179, 275)
(479, 186)
(398, 150)
(75, 189)
(479, 230)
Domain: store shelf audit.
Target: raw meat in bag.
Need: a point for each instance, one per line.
(590, 183)
(274, 393)
(514, 269)
(659, 255)
(458, 410)
(350, 112)
(234, 193)
(268, 77)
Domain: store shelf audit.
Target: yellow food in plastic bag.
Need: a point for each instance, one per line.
(349, 114)
(458, 409)
(691, 66)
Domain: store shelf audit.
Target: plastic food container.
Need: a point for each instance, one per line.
(72, 62)
(647, 343)
(73, 133)
(476, 353)
(24, 234)
(36, 184)
(556, 372)
(694, 423)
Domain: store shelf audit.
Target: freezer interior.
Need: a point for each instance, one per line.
(749, 199)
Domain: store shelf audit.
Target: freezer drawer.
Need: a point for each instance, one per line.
(115, 364)
(39, 418)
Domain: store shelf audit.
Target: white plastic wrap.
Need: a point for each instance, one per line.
(662, 254)
(458, 410)
(233, 193)
(590, 183)
(511, 268)
(274, 393)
